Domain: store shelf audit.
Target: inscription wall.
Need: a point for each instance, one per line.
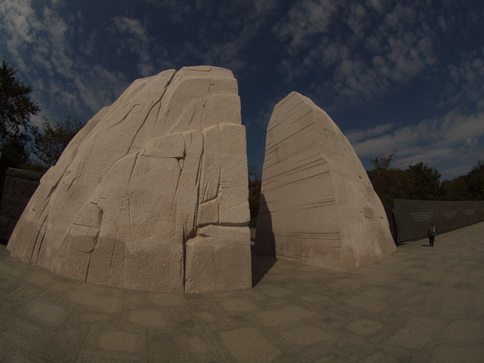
(414, 216)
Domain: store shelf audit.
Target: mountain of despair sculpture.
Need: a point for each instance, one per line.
(317, 204)
(152, 193)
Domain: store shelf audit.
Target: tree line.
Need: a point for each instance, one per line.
(22, 144)
(419, 181)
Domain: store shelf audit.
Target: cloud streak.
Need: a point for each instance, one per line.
(440, 142)
(40, 45)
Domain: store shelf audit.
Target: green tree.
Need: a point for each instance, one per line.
(418, 181)
(388, 183)
(16, 108)
(455, 189)
(475, 182)
(49, 143)
(14, 152)
(383, 162)
(423, 182)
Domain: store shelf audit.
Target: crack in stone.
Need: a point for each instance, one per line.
(39, 244)
(129, 202)
(90, 253)
(124, 118)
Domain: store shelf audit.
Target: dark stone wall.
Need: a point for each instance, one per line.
(16, 188)
(413, 217)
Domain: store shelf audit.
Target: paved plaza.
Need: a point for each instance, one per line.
(421, 304)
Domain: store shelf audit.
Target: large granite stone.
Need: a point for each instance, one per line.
(152, 193)
(317, 204)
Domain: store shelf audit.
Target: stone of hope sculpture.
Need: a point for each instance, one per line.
(152, 193)
(317, 204)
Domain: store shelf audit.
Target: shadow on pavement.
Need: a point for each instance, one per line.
(261, 265)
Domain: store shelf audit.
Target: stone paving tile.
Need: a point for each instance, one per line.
(145, 318)
(197, 346)
(183, 318)
(56, 290)
(5, 348)
(18, 299)
(238, 305)
(167, 300)
(417, 332)
(44, 312)
(464, 330)
(17, 354)
(365, 326)
(96, 317)
(3, 317)
(238, 319)
(134, 299)
(40, 279)
(314, 298)
(249, 345)
(163, 346)
(369, 305)
(457, 354)
(67, 342)
(305, 335)
(347, 350)
(286, 315)
(115, 343)
(106, 304)
(207, 317)
(28, 335)
(275, 291)
(84, 357)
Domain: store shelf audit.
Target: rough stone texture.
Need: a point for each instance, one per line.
(317, 204)
(152, 193)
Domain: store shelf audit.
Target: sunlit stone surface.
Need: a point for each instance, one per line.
(317, 204)
(152, 193)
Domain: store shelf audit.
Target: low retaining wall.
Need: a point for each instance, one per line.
(413, 217)
(16, 188)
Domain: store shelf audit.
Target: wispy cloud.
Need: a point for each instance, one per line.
(439, 142)
(229, 31)
(466, 81)
(306, 19)
(358, 135)
(376, 51)
(41, 46)
(137, 41)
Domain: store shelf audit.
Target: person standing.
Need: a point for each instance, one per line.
(431, 232)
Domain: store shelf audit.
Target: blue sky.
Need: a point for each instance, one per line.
(404, 76)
